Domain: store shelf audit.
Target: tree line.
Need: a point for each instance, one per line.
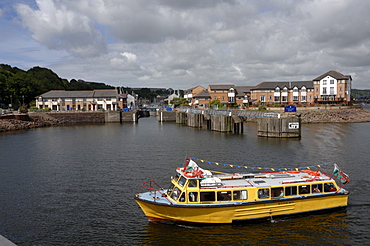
(19, 87)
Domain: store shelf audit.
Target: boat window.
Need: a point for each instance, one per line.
(329, 187)
(316, 188)
(304, 189)
(193, 196)
(182, 197)
(240, 195)
(277, 192)
(263, 193)
(176, 177)
(207, 196)
(193, 183)
(169, 191)
(224, 196)
(291, 191)
(175, 193)
(182, 180)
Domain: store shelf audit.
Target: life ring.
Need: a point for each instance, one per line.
(190, 174)
(198, 172)
(289, 172)
(310, 172)
(306, 177)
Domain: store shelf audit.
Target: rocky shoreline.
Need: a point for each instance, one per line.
(319, 116)
(35, 120)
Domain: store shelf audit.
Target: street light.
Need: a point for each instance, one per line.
(11, 101)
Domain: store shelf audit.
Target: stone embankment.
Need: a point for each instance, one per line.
(317, 116)
(336, 116)
(34, 120)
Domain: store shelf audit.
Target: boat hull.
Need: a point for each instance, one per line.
(219, 213)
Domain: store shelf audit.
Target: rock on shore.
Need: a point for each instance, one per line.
(35, 120)
(336, 116)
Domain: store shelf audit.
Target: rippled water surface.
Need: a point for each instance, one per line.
(74, 185)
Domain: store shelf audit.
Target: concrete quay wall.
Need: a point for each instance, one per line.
(79, 117)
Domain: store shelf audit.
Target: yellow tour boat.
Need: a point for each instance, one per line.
(197, 195)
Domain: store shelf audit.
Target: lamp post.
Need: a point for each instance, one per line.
(11, 101)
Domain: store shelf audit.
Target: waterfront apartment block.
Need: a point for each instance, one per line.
(331, 87)
(61, 100)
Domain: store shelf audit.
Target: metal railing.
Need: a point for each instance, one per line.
(241, 113)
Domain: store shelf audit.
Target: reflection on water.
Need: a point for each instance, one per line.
(327, 229)
(75, 185)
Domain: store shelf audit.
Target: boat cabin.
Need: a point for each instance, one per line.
(193, 185)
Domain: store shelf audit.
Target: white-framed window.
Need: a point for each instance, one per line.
(295, 89)
(284, 98)
(332, 81)
(324, 82)
(262, 98)
(295, 98)
(276, 99)
(324, 92)
(331, 90)
(303, 98)
(277, 89)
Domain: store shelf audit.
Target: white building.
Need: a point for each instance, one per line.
(61, 100)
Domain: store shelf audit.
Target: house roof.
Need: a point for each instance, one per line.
(79, 94)
(270, 85)
(202, 94)
(221, 87)
(334, 74)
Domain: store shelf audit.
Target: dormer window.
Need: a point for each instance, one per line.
(303, 89)
(231, 90)
(295, 89)
(277, 89)
(285, 89)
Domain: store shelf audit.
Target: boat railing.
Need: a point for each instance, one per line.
(153, 186)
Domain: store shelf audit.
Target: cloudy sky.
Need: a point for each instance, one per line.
(184, 43)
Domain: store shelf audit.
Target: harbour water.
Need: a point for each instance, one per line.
(74, 185)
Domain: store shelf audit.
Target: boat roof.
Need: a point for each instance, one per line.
(209, 179)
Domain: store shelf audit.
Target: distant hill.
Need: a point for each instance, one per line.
(361, 95)
(21, 87)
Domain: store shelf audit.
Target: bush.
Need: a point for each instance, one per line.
(262, 108)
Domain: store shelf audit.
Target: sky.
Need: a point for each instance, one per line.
(180, 44)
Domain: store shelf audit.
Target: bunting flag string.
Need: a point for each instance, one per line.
(260, 168)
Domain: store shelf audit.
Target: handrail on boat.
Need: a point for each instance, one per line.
(159, 189)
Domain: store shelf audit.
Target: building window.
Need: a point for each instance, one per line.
(331, 90)
(295, 89)
(108, 99)
(332, 81)
(340, 88)
(284, 98)
(295, 98)
(324, 82)
(324, 91)
(231, 99)
(303, 89)
(214, 98)
(262, 98)
(285, 89)
(270, 97)
(303, 98)
(231, 90)
(54, 99)
(277, 89)
(317, 89)
(277, 99)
